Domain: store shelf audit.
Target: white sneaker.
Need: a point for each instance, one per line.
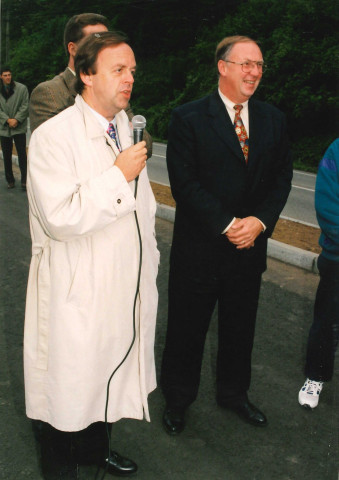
(309, 393)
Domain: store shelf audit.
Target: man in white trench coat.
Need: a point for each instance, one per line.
(86, 299)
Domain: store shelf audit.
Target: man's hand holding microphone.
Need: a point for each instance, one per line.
(132, 160)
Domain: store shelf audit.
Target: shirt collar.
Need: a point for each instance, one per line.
(102, 120)
(229, 104)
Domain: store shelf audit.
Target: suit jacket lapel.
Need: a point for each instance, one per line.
(258, 132)
(220, 121)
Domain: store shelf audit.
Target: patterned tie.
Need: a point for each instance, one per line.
(113, 134)
(240, 131)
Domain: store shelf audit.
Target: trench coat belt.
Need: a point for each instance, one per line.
(43, 303)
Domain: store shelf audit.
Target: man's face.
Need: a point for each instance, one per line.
(233, 82)
(109, 90)
(6, 77)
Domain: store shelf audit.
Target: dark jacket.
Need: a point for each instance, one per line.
(212, 184)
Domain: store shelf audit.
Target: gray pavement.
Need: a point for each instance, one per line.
(216, 445)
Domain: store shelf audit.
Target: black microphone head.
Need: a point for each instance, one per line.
(139, 122)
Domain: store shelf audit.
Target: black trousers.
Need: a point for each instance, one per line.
(189, 315)
(324, 332)
(7, 147)
(62, 451)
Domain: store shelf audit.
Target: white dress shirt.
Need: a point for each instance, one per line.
(104, 122)
(244, 116)
(230, 110)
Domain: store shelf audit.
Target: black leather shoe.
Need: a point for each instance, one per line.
(119, 466)
(250, 414)
(173, 420)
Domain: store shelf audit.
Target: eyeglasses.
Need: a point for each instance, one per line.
(247, 66)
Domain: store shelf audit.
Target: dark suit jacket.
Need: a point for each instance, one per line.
(212, 184)
(53, 96)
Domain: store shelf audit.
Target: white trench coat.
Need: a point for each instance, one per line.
(83, 276)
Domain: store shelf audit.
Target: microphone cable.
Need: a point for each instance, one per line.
(133, 338)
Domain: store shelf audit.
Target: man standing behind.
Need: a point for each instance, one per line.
(230, 171)
(13, 124)
(91, 303)
(53, 96)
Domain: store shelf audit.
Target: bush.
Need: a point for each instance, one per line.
(308, 151)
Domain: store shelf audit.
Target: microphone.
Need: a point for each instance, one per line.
(138, 123)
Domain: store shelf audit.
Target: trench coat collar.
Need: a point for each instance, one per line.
(94, 128)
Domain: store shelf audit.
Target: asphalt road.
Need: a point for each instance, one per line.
(216, 445)
(300, 204)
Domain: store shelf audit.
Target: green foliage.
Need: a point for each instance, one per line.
(26, 59)
(308, 151)
(303, 66)
(174, 42)
(36, 39)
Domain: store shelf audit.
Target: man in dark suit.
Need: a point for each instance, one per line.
(230, 175)
(53, 96)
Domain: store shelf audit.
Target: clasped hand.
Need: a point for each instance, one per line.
(132, 160)
(12, 122)
(244, 231)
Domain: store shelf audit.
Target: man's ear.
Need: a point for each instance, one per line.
(86, 79)
(222, 68)
(72, 49)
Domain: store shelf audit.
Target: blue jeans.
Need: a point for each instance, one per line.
(324, 332)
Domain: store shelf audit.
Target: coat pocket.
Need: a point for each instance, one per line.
(80, 284)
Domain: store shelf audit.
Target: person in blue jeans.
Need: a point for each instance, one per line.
(324, 332)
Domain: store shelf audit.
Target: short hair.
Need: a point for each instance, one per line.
(225, 46)
(88, 51)
(5, 68)
(74, 27)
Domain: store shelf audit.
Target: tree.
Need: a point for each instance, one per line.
(174, 42)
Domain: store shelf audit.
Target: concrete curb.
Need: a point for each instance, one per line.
(278, 250)
(293, 255)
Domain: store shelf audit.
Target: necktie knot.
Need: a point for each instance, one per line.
(111, 131)
(113, 134)
(238, 108)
